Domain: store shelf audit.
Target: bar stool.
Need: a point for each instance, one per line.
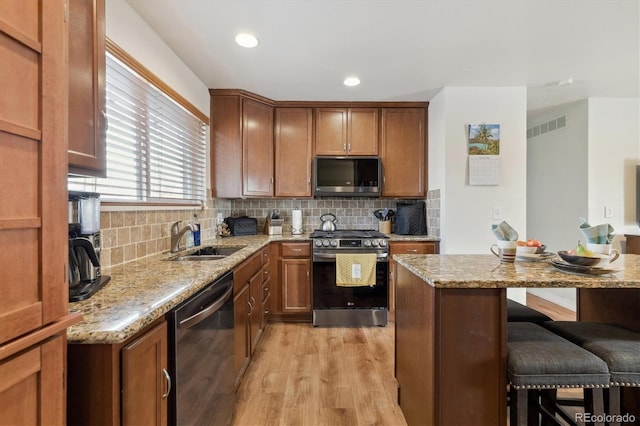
(539, 362)
(617, 346)
(517, 312)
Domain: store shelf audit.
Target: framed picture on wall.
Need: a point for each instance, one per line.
(484, 139)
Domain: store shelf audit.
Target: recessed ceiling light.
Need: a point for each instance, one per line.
(351, 81)
(246, 40)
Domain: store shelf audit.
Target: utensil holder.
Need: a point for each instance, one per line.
(384, 226)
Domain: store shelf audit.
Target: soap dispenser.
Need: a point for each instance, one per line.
(196, 232)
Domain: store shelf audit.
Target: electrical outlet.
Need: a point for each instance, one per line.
(608, 212)
(496, 213)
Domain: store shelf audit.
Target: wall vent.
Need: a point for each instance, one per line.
(546, 127)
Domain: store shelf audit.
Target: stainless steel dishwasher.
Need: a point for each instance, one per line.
(201, 356)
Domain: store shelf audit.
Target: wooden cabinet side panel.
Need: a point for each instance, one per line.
(414, 353)
(293, 152)
(296, 285)
(471, 356)
(87, 71)
(363, 131)
(226, 146)
(143, 381)
(633, 244)
(404, 131)
(257, 148)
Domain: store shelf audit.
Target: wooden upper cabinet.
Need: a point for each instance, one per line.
(404, 152)
(346, 131)
(87, 108)
(257, 149)
(293, 144)
(241, 145)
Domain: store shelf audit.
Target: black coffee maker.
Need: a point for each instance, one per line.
(84, 245)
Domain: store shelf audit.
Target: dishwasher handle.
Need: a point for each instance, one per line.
(207, 311)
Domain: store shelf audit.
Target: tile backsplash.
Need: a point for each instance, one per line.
(130, 235)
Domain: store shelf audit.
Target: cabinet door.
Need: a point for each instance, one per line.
(87, 109)
(404, 155)
(363, 131)
(293, 133)
(405, 247)
(331, 131)
(33, 166)
(32, 385)
(241, 333)
(255, 299)
(296, 285)
(145, 380)
(226, 146)
(257, 148)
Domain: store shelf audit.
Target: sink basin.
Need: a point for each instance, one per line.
(207, 253)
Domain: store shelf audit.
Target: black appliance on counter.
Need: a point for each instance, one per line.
(85, 277)
(349, 306)
(201, 360)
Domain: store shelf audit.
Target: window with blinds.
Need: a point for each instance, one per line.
(156, 148)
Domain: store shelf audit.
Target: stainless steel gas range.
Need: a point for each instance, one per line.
(335, 305)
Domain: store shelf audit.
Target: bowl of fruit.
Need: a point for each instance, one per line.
(579, 256)
(531, 246)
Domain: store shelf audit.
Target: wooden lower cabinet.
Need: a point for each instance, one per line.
(291, 291)
(251, 281)
(406, 247)
(144, 378)
(633, 244)
(32, 385)
(125, 383)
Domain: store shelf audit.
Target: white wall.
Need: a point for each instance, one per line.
(466, 211)
(129, 31)
(614, 152)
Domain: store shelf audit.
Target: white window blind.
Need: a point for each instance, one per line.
(156, 149)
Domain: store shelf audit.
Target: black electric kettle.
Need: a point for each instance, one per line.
(80, 249)
(328, 222)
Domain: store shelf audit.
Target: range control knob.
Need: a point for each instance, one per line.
(334, 243)
(325, 243)
(374, 243)
(383, 243)
(318, 243)
(367, 243)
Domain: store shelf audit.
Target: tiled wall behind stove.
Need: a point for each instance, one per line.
(433, 212)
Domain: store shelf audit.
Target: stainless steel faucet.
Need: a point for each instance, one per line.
(177, 233)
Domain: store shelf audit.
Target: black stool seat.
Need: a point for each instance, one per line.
(539, 362)
(517, 312)
(617, 346)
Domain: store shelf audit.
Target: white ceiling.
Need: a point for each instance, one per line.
(406, 50)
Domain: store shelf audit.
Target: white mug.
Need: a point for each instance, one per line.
(609, 254)
(506, 251)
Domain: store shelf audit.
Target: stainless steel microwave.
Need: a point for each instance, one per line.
(347, 176)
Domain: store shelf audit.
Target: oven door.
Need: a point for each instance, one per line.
(327, 295)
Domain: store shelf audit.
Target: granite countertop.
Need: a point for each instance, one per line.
(142, 291)
(486, 271)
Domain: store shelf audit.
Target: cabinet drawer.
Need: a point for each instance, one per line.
(266, 290)
(412, 248)
(243, 273)
(296, 250)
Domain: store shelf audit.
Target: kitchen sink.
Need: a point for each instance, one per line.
(208, 253)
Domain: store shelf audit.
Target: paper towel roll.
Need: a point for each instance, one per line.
(296, 222)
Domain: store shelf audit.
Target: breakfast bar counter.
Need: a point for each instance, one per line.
(451, 328)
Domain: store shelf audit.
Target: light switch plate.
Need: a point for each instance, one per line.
(496, 213)
(608, 212)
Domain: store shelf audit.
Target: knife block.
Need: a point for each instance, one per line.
(273, 226)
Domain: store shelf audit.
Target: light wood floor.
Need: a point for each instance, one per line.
(301, 375)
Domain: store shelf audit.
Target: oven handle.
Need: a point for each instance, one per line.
(324, 257)
(207, 311)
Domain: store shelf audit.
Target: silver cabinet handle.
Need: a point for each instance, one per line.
(348, 147)
(412, 250)
(168, 379)
(296, 250)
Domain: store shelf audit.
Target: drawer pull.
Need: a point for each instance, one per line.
(412, 250)
(297, 250)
